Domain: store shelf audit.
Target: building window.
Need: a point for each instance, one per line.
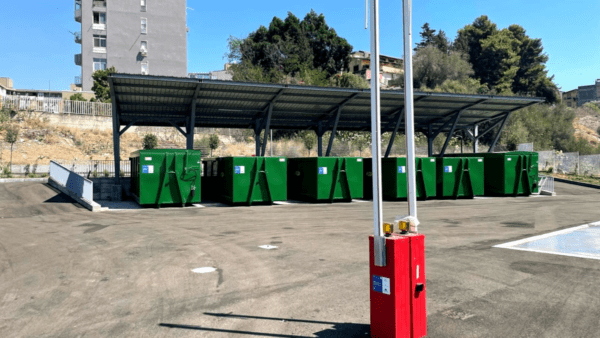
(145, 68)
(143, 4)
(144, 48)
(144, 26)
(99, 21)
(99, 64)
(99, 44)
(356, 68)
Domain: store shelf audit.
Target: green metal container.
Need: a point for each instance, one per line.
(248, 180)
(509, 174)
(393, 172)
(323, 179)
(460, 177)
(166, 176)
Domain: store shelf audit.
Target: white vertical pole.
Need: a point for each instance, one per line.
(410, 113)
(476, 138)
(271, 142)
(379, 240)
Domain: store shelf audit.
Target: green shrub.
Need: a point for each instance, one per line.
(106, 173)
(150, 142)
(95, 174)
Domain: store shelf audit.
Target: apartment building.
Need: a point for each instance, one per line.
(147, 37)
(588, 93)
(391, 68)
(570, 98)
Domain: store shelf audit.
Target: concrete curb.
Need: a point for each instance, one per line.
(20, 180)
(587, 185)
(91, 205)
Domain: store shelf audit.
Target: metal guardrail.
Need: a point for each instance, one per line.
(76, 184)
(546, 183)
(56, 105)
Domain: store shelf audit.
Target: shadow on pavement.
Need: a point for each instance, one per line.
(348, 330)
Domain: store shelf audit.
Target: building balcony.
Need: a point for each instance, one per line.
(78, 10)
(99, 4)
(77, 37)
(78, 59)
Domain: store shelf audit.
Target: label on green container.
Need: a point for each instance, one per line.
(322, 170)
(401, 170)
(282, 160)
(448, 169)
(147, 169)
(240, 169)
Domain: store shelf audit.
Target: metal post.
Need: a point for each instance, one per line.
(462, 140)
(379, 240)
(499, 133)
(429, 141)
(271, 142)
(450, 133)
(257, 141)
(391, 143)
(320, 133)
(332, 137)
(116, 132)
(267, 130)
(409, 110)
(476, 139)
(192, 122)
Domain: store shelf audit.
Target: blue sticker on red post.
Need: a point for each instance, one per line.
(381, 284)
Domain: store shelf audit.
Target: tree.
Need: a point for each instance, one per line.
(361, 141)
(77, 97)
(213, 142)
(429, 38)
(349, 80)
(101, 86)
(432, 67)
(309, 139)
(500, 59)
(150, 141)
(287, 48)
(12, 133)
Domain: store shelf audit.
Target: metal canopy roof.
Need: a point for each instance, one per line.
(163, 101)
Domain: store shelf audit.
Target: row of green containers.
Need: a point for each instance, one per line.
(173, 177)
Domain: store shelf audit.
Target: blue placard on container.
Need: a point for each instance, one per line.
(238, 170)
(401, 170)
(448, 169)
(322, 170)
(145, 169)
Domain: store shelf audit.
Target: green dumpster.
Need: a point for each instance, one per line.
(460, 177)
(393, 172)
(509, 174)
(322, 179)
(248, 180)
(166, 176)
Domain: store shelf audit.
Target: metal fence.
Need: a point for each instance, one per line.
(589, 165)
(525, 147)
(566, 163)
(546, 160)
(98, 168)
(75, 183)
(56, 105)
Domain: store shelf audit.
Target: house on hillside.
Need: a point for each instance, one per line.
(391, 68)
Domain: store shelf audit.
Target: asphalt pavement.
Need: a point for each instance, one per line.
(67, 272)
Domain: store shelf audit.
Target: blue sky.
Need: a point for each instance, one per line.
(37, 48)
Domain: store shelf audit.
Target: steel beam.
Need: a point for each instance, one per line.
(391, 143)
(491, 150)
(192, 124)
(429, 141)
(476, 138)
(122, 131)
(178, 128)
(116, 132)
(456, 118)
(334, 130)
(267, 128)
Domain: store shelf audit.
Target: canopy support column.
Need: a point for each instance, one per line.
(430, 139)
(320, 133)
(267, 129)
(192, 122)
(116, 132)
(335, 125)
(454, 123)
(391, 143)
(497, 137)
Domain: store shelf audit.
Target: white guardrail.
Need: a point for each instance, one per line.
(56, 105)
(76, 184)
